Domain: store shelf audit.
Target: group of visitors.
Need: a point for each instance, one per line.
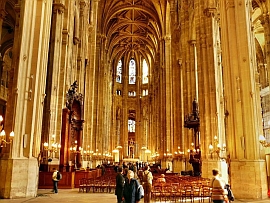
(127, 186)
(128, 182)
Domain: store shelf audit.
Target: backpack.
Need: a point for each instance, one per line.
(146, 178)
(58, 176)
(230, 193)
(139, 191)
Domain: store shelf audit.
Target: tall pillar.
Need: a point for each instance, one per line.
(242, 101)
(90, 79)
(265, 20)
(19, 166)
(167, 91)
(52, 112)
(211, 91)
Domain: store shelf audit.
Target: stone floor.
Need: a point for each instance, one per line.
(72, 195)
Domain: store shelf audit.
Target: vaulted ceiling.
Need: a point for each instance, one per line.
(131, 26)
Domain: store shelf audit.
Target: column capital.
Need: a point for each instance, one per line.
(167, 38)
(58, 7)
(210, 12)
(82, 7)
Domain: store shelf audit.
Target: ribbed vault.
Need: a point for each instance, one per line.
(130, 26)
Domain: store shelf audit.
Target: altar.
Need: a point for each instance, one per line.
(131, 160)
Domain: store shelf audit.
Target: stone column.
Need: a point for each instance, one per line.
(265, 20)
(3, 14)
(242, 101)
(167, 91)
(52, 112)
(211, 91)
(124, 120)
(19, 169)
(90, 79)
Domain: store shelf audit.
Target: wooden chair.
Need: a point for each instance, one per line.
(176, 191)
(82, 185)
(187, 193)
(206, 193)
(166, 193)
(197, 192)
(111, 186)
(156, 192)
(91, 184)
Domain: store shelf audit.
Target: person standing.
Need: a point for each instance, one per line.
(131, 185)
(120, 182)
(147, 178)
(55, 181)
(218, 185)
(135, 170)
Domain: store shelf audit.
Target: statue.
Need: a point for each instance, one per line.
(72, 94)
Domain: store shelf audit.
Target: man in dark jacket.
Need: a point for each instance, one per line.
(120, 182)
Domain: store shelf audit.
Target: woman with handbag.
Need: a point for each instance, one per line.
(130, 192)
(219, 194)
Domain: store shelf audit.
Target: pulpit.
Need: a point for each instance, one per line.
(192, 121)
(71, 133)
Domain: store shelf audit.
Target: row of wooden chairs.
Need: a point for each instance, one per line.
(96, 185)
(181, 192)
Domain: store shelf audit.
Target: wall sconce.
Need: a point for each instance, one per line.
(168, 156)
(3, 138)
(97, 155)
(107, 157)
(193, 150)
(217, 149)
(88, 154)
(263, 142)
(155, 157)
(147, 152)
(179, 154)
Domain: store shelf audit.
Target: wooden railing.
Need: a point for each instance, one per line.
(69, 179)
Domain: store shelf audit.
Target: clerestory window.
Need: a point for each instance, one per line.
(145, 72)
(119, 72)
(132, 71)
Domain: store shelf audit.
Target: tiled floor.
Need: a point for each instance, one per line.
(72, 195)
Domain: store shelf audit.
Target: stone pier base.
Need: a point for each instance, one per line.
(247, 178)
(19, 178)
